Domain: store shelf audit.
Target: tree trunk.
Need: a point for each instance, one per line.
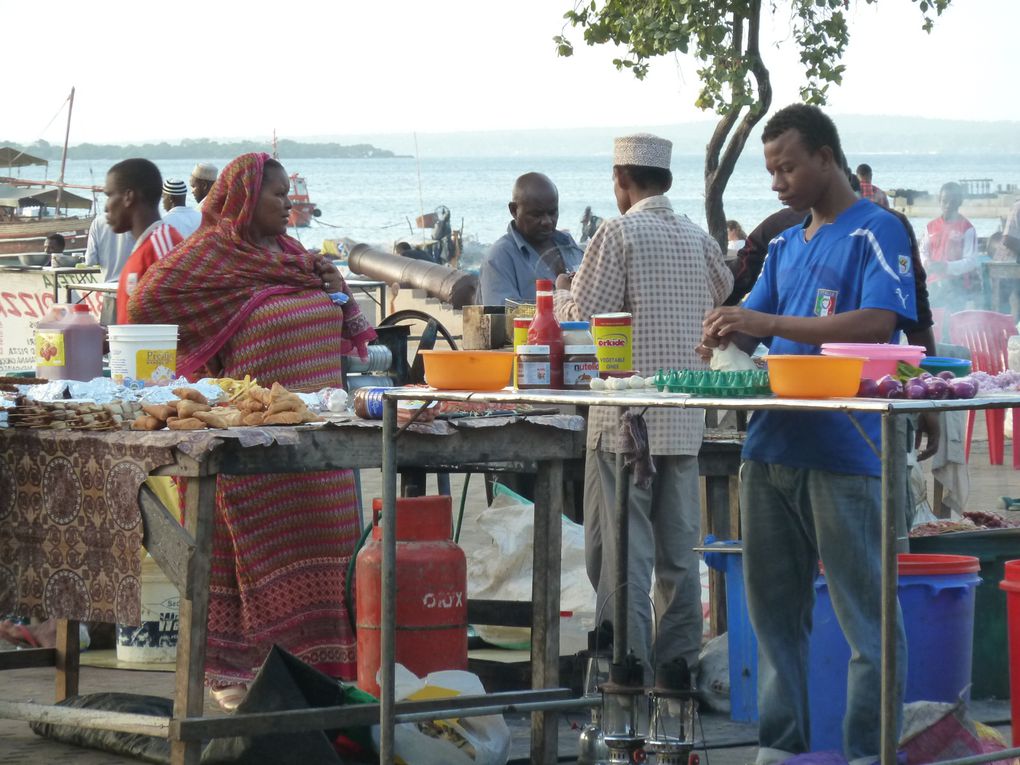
(718, 169)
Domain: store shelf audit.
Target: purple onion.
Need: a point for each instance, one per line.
(916, 390)
(946, 375)
(925, 375)
(889, 387)
(962, 388)
(938, 388)
(868, 388)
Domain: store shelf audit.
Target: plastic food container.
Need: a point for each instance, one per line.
(468, 370)
(881, 358)
(700, 382)
(143, 354)
(936, 364)
(815, 376)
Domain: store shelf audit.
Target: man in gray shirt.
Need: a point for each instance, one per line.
(107, 249)
(532, 248)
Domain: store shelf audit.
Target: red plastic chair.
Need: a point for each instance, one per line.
(986, 334)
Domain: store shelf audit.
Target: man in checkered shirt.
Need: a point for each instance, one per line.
(660, 267)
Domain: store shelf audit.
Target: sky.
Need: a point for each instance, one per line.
(146, 71)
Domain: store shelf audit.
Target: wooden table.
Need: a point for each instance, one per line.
(183, 554)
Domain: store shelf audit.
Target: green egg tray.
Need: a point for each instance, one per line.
(698, 382)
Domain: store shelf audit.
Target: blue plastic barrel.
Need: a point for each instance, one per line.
(936, 594)
(727, 556)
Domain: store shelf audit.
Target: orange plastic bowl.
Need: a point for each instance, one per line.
(815, 376)
(468, 370)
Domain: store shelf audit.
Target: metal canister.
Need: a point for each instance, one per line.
(368, 403)
(613, 333)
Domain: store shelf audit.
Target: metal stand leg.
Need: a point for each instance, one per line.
(189, 696)
(387, 656)
(621, 603)
(545, 597)
(890, 575)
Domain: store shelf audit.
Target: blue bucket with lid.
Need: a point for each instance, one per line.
(936, 594)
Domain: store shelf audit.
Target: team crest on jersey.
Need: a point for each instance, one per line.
(825, 302)
(904, 261)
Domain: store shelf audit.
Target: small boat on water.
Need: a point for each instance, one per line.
(31, 210)
(302, 208)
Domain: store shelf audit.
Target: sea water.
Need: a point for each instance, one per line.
(377, 200)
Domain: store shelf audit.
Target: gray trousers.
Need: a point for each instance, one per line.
(665, 526)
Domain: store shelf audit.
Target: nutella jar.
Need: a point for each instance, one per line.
(580, 366)
(534, 370)
(368, 403)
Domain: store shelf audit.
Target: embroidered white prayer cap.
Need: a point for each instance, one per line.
(642, 149)
(205, 172)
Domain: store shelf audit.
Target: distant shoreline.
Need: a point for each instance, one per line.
(206, 149)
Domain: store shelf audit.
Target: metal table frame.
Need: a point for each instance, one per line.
(650, 399)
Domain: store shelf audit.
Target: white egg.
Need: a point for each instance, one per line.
(636, 382)
(597, 383)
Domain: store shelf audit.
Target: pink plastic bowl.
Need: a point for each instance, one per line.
(881, 357)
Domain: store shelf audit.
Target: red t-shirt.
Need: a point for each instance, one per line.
(946, 243)
(158, 240)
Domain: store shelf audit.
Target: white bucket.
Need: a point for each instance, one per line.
(155, 640)
(143, 354)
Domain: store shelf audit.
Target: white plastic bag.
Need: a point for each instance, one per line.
(456, 741)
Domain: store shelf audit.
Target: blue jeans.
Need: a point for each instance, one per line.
(791, 517)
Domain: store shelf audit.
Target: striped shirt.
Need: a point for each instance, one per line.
(667, 272)
(154, 243)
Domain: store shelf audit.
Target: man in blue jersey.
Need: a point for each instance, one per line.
(810, 484)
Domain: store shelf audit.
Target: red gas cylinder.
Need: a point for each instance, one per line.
(431, 592)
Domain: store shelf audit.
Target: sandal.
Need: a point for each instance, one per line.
(229, 696)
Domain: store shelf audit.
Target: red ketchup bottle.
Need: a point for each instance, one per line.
(545, 330)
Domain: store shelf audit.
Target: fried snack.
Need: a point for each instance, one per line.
(286, 404)
(188, 407)
(221, 417)
(190, 394)
(147, 422)
(309, 416)
(15, 380)
(250, 405)
(254, 419)
(277, 392)
(159, 411)
(185, 423)
(283, 418)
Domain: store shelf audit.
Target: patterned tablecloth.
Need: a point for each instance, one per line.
(70, 527)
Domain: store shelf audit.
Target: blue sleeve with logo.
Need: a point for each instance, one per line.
(888, 267)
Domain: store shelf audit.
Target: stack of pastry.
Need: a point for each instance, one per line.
(257, 406)
(71, 415)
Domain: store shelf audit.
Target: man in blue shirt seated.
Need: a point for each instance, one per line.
(532, 248)
(810, 483)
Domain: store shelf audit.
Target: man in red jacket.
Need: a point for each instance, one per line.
(133, 191)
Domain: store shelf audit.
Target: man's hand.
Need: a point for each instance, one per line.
(727, 320)
(927, 426)
(331, 279)
(563, 281)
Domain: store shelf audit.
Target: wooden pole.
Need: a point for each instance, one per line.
(63, 156)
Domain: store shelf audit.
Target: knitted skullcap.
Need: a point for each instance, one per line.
(642, 149)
